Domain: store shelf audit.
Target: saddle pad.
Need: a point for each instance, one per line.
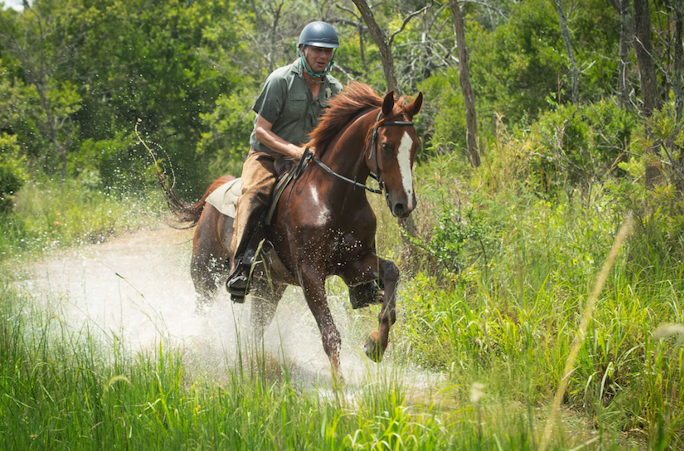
(224, 197)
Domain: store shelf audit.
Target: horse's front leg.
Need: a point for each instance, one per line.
(370, 267)
(314, 292)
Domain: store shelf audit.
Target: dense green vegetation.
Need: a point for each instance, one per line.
(495, 281)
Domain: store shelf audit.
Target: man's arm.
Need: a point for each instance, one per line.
(265, 136)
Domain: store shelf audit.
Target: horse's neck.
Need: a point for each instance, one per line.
(347, 155)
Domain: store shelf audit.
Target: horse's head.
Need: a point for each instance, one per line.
(394, 144)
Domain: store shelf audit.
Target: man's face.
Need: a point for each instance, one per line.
(317, 58)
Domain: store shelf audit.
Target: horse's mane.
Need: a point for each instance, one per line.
(343, 108)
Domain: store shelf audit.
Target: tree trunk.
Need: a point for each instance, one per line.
(381, 41)
(464, 76)
(678, 60)
(571, 54)
(644, 55)
(626, 40)
(647, 75)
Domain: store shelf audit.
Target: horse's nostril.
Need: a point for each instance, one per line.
(400, 209)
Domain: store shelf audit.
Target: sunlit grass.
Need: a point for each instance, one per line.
(64, 387)
(51, 215)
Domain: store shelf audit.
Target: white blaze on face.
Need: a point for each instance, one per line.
(404, 159)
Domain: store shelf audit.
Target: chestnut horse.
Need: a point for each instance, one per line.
(323, 224)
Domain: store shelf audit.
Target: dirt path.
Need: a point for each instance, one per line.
(137, 287)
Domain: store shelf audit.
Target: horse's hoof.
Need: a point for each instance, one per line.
(372, 348)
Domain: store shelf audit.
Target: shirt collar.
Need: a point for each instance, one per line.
(298, 68)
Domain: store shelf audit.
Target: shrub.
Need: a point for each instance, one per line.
(12, 175)
(577, 146)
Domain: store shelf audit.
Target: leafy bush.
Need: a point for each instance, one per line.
(577, 146)
(12, 175)
(456, 238)
(444, 113)
(658, 242)
(227, 140)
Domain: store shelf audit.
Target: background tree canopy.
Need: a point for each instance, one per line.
(78, 75)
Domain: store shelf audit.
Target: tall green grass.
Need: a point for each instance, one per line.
(62, 388)
(508, 320)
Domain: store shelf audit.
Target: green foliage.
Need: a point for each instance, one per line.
(579, 146)
(509, 325)
(230, 125)
(456, 238)
(521, 62)
(444, 114)
(12, 175)
(517, 65)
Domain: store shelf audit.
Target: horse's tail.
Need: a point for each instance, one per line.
(188, 212)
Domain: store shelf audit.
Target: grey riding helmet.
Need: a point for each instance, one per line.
(319, 34)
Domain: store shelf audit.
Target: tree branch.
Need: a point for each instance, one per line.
(408, 18)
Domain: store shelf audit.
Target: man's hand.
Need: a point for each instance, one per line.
(297, 155)
(265, 136)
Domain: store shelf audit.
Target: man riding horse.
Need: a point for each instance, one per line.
(288, 108)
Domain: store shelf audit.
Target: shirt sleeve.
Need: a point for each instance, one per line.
(269, 104)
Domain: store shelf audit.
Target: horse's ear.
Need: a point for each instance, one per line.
(413, 108)
(388, 104)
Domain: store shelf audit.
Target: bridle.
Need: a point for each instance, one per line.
(372, 144)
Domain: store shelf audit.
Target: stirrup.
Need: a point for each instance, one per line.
(238, 287)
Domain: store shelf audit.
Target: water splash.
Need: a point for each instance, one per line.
(137, 289)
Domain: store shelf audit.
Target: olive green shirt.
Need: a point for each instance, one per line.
(288, 104)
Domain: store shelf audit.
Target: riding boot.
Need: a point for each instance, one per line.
(247, 221)
(258, 178)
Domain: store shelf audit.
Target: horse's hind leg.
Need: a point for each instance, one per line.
(265, 299)
(205, 271)
(209, 255)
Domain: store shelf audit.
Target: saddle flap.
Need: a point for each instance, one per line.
(224, 197)
(284, 178)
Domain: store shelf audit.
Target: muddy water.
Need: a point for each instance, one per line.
(138, 288)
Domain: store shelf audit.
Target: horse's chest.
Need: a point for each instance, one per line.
(348, 242)
(347, 246)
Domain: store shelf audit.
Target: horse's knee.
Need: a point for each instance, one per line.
(390, 271)
(366, 294)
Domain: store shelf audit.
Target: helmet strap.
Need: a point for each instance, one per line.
(309, 71)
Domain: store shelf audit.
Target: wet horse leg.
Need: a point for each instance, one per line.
(314, 292)
(209, 254)
(370, 267)
(265, 298)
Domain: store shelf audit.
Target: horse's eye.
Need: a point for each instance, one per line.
(386, 147)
